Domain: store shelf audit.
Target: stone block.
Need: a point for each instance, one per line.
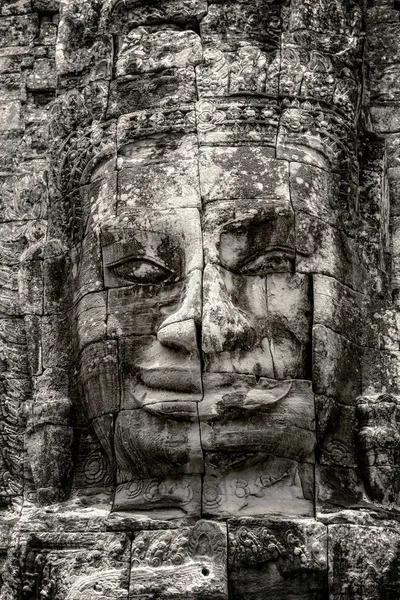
(48, 6)
(87, 277)
(168, 499)
(383, 43)
(151, 248)
(383, 83)
(103, 431)
(277, 558)
(184, 12)
(377, 438)
(80, 564)
(12, 347)
(19, 30)
(162, 89)
(56, 268)
(336, 427)
(237, 121)
(48, 32)
(337, 366)
(93, 59)
(239, 413)
(131, 314)
(158, 441)
(242, 172)
(43, 76)
(10, 116)
(13, 242)
(99, 378)
(344, 311)
(93, 472)
(299, 139)
(256, 332)
(171, 120)
(393, 175)
(382, 12)
(12, 88)
(323, 249)
(363, 562)
(395, 249)
(49, 451)
(152, 373)
(248, 70)
(188, 564)
(156, 176)
(56, 341)
(15, 7)
(98, 199)
(255, 484)
(144, 50)
(224, 28)
(338, 488)
(386, 117)
(10, 301)
(235, 229)
(316, 191)
(89, 319)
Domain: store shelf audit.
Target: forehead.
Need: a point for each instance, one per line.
(167, 192)
(160, 173)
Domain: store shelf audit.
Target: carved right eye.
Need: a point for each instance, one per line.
(273, 261)
(143, 271)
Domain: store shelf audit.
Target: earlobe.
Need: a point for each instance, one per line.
(49, 434)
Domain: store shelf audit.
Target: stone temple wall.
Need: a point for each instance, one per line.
(199, 301)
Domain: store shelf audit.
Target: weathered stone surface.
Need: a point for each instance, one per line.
(254, 484)
(19, 30)
(168, 433)
(227, 396)
(337, 365)
(75, 565)
(144, 50)
(160, 88)
(242, 173)
(281, 558)
(185, 564)
(368, 564)
(165, 176)
(160, 499)
(199, 299)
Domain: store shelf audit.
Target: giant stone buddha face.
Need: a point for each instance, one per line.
(220, 219)
(199, 353)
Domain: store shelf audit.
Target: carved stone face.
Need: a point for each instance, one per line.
(200, 338)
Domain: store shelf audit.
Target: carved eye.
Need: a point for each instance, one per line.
(144, 271)
(272, 262)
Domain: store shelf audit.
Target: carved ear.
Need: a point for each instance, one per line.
(43, 270)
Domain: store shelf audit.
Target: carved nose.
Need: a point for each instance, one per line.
(181, 335)
(224, 326)
(179, 330)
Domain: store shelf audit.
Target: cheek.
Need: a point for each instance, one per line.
(248, 293)
(140, 310)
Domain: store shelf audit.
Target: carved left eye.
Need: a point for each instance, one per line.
(139, 270)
